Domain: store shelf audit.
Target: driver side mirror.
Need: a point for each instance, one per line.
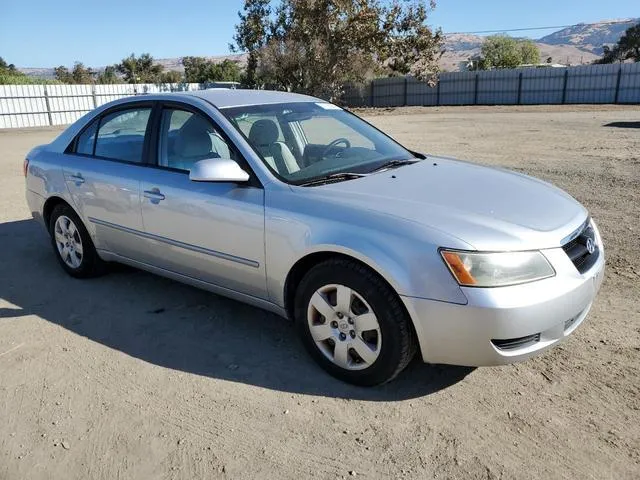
(217, 170)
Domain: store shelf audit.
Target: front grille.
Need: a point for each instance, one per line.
(577, 249)
(515, 343)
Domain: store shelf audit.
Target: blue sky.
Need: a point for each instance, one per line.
(47, 33)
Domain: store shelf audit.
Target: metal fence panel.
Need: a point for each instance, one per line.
(629, 83)
(616, 83)
(458, 88)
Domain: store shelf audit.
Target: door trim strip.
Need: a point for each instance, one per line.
(175, 243)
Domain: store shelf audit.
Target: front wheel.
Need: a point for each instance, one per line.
(353, 323)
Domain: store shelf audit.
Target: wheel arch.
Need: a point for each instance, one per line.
(300, 268)
(49, 205)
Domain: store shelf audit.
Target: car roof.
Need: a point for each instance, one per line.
(223, 98)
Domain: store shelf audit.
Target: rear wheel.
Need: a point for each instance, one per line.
(72, 244)
(353, 323)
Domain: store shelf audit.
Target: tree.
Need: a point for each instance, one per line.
(202, 70)
(82, 75)
(62, 74)
(627, 48)
(502, 51)
(140, 69)
(7, 67)
(316, 46)
(108, 76)
(530, 52)
(252, 34)
(171, 77)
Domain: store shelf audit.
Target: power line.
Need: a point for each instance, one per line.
(536, 28)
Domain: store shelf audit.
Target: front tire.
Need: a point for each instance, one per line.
(353, 323)
(72, 244)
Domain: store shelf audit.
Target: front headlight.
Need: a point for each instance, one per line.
(474, 269)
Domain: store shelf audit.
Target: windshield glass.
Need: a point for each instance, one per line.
(302, 142)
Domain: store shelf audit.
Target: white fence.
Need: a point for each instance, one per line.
(616, 83)
(44, 105)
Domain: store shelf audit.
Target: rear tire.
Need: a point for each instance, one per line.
(352, 323)
(72, 244)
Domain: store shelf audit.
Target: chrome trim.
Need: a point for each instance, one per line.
(175, 243)
(576, 233)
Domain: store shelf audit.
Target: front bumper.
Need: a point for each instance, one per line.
(507, 324)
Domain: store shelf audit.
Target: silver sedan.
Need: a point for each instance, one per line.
(297, 206)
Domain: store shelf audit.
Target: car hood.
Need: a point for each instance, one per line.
(487, 208)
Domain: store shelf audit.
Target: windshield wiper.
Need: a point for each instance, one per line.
(332, 177)
(394, 163)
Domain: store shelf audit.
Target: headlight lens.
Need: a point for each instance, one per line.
(474, 269)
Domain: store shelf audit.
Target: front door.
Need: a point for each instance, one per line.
(209, 231)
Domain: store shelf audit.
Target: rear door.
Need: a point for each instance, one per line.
(209, 231)
(103, 171)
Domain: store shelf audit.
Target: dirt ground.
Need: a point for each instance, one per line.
(132, 376)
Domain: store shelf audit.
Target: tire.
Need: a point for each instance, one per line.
(321, 297)
(72, 244)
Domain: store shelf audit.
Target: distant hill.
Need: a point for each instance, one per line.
(460, 47)
(590, 36)
(579, 44)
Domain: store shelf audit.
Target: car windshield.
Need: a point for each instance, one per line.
(309, 141)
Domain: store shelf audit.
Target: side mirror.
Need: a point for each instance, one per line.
(217, 170)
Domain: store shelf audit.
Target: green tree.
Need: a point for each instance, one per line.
(63, 74)
(108, 76)
(203, 70)
(252, 33)
(140, 69)
(627, 48)
(81, 74)
(502, 51)
(171, 77)
(316, 46)
(7, 67)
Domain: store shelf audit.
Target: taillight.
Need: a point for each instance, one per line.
(25, 167)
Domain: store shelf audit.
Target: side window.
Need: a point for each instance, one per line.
(84, 145)
(187, 137)
(121, 135)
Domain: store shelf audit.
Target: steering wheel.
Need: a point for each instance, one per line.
(334, 144)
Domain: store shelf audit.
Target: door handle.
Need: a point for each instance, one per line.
(77, 178)
(154, 195)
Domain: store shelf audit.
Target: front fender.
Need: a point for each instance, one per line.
(412, 266)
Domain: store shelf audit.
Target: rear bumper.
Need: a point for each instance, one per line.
(507, 324)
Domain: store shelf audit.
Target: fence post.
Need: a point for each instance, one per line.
(46, 101)
(93, 94)
(372, 95)
(475, 95)
(406, 91)
(438, 92)
(564, 86)
(520, 89)
(618, 84)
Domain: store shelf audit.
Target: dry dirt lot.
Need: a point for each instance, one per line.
(132, 376)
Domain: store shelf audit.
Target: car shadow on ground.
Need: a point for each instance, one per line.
(179, 327)
(623, 124)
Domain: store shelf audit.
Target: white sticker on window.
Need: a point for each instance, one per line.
(328, 106)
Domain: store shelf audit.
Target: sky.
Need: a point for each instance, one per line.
(48, 33)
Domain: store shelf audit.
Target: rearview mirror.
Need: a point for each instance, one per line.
(217, 170)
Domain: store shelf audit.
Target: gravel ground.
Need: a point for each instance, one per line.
(134, 376)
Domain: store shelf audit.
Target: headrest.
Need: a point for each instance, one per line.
(264, 132)
(194, 141)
